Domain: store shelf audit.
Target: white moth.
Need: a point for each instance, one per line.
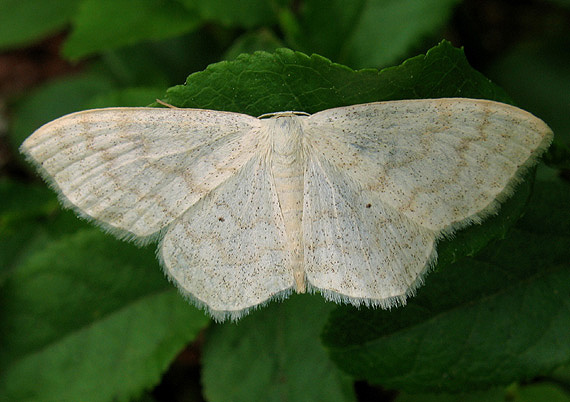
(349, 202)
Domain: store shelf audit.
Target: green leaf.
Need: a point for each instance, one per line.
(367, 33)
(19, 201)
(287, 80)
(20, 206)
(487, 320)
(469, 241)
(108, 24)
(274, 355)
(89, 318)
(30, 218)
(25, 21)
(243, 13)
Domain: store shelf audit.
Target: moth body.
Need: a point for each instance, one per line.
(287, 167)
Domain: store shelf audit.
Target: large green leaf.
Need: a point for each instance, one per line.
(79, 307)
(287, 80)
(486, 320)
(21, 207)
(89, 318)
(274, 355)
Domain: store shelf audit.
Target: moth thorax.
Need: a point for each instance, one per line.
(286, 136)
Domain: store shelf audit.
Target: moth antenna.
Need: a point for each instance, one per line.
(166, 104)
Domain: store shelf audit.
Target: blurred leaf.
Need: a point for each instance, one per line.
(563, 3)
(160, 63)
(25, 21)
(542, 392)
(21, 207)
(54, 100)
(388, 29)
(323, 27)
(243, 13)
(561, 375)
(146, 397)
(536, 75)
(108, 24)
(366, 33)
(129, 97)
(274, 355)
(491, 395)
(250, 42)
(492, 319)
(558, 155)
(287, 80)
(19, 201)
(89, 318)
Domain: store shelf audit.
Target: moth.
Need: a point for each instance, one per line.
(349, 202)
